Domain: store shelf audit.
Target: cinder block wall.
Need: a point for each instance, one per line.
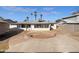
(71, 27)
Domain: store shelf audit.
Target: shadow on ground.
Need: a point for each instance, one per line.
(10, 33)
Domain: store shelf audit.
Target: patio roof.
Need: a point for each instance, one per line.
(34, 23)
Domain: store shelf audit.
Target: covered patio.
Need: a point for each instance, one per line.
(37, 26)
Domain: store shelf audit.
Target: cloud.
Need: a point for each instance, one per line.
(14, 8)
(52, 12)
(73, 11)
(48, 9)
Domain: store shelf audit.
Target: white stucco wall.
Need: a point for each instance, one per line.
(54, 26)
(23, 28)
(12, 26)
(41, 29)
(34, 29)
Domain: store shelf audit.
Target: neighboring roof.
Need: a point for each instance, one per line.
(71, 23)
(9, 21)
(1, 21)
(35, 23)
(70, 16)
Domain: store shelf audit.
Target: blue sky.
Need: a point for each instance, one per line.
(50, 13)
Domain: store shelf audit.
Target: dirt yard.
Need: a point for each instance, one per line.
(27, 35)
(4, 38)
(60, 43)
(55, 41)
(42, 34)
(46, 41)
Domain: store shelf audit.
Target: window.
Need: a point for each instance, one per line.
(46, 26)
(28, 26)
(52, 24)
(22, 26)
(41, 25)
(18, 26)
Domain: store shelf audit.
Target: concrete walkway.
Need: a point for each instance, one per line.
(60, 43)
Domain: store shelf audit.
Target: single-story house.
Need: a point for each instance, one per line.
(4, 27)
(35, 26)
(71, 19)
(70, 23)
(10, 22)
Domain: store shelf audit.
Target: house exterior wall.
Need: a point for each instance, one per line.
(22, 28)
(35, 29)
(41, 29)
(12, 26)
(32, 27)
(4, 27)
(54, 26)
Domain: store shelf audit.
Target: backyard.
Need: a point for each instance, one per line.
(43, 41)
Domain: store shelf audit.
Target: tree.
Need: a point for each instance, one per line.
(41, 16)
(1, 18)
(35, 14)
(75, 12)
(58, 20)
(16, 21)
(27, 19)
